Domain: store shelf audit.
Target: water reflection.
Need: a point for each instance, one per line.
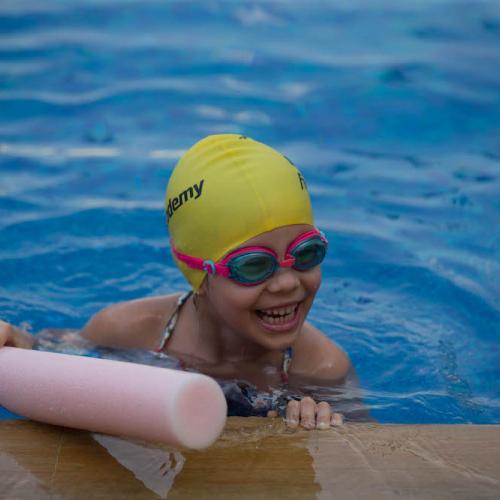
(15, 480)
(154, 466)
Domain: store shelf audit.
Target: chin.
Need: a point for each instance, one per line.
(278, 340)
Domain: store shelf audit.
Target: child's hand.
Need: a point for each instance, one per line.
(311, 415)
(15, 337)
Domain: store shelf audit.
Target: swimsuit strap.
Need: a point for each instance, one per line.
(287, 359)
(172, 321)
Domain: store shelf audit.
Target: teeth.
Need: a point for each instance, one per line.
(278, 316)
(282, 311)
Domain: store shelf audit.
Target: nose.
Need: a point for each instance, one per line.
(285, 279)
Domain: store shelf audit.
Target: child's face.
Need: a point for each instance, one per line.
(254, 311)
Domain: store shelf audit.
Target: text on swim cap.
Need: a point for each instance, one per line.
(186, 195)
(302, 181)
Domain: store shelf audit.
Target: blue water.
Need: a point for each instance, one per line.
(391, 109)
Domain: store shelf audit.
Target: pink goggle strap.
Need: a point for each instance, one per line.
(242, 251)
(289, 259)
(196, 263)
(306, 236)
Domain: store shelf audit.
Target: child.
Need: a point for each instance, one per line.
(242, 233)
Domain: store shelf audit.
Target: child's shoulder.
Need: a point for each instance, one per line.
(136, 323)
(318, 357)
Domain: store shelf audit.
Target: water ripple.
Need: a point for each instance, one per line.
(391, 111)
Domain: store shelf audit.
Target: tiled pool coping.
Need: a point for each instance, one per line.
(256, 458)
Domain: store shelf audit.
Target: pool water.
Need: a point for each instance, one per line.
(392, 112)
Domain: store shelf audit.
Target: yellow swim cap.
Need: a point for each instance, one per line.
(227, 189)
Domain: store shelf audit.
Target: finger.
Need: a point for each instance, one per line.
(337, 419)
(323, 415)
(12, 336)
(292, 414)
(5, 332)
(23, 339)
(308, 413)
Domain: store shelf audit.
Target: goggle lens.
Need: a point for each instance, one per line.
(252, 267)
(309, 253)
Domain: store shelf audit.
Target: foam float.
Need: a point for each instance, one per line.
(113, 397)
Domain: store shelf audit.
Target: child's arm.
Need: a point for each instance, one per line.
(136, 324)
(15, 337)
(319, 360)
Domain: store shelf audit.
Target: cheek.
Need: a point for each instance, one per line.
(312, 280)
(231, 299)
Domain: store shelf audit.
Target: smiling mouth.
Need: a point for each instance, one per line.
(278, 316)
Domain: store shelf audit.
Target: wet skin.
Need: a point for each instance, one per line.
(230, 331)
(236, 326)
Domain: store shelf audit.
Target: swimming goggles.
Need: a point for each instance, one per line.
(254, 264)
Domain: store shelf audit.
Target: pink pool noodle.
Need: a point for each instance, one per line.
(113, 397)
